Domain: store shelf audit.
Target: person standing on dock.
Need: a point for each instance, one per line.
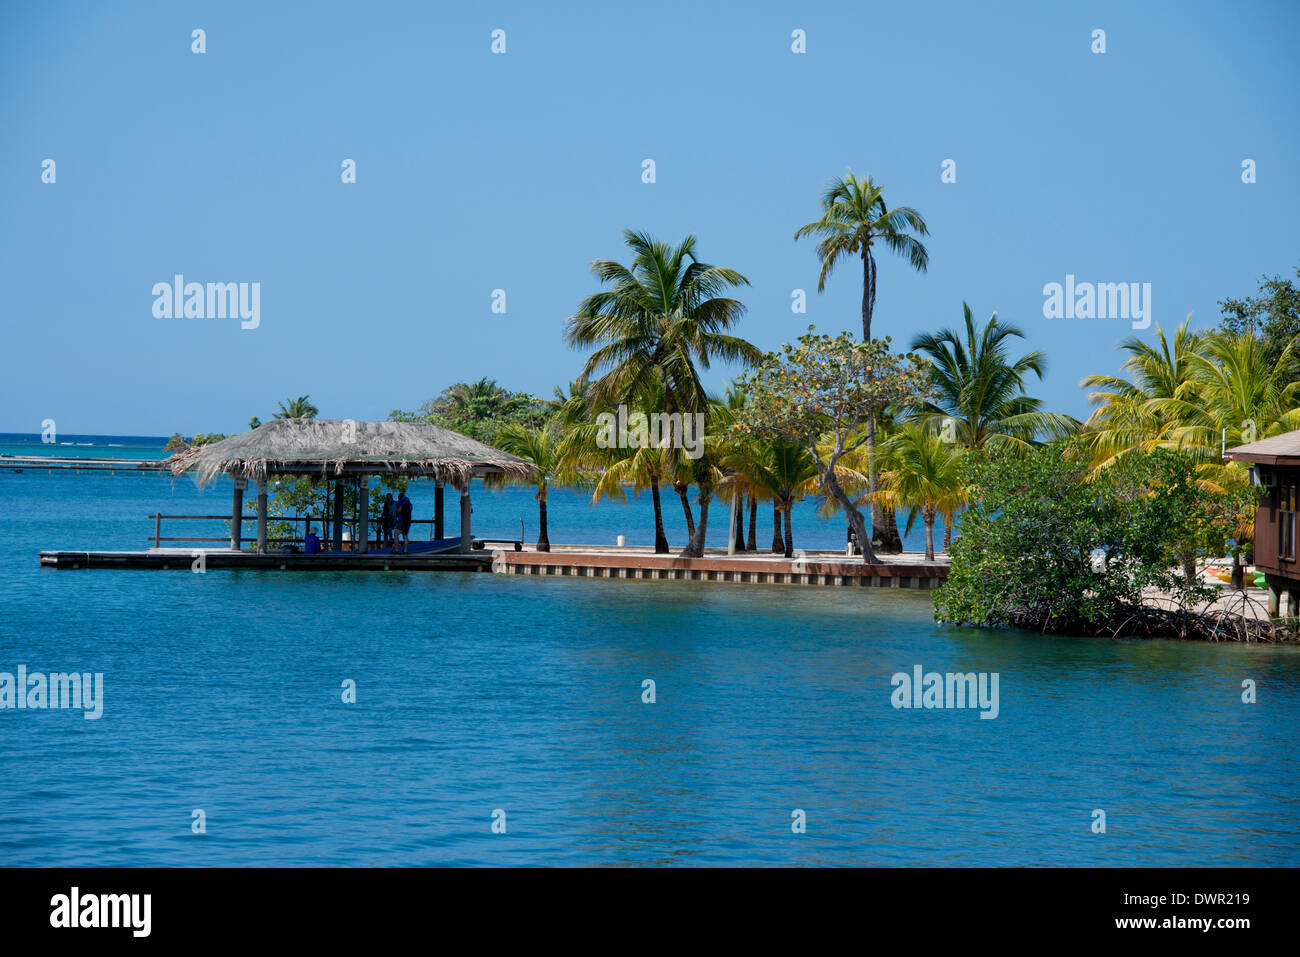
(404, 512)
(310, 543)
(388, 520)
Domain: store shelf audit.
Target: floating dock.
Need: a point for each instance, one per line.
(807, 568)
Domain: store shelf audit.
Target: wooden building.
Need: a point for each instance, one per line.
(1275, 469)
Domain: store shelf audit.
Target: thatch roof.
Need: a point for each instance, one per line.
(301, 446)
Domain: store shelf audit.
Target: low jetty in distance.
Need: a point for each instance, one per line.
(18, 463)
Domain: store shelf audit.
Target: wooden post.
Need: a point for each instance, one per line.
(337, 536)
(363, 515)
(261, 517)
(157, 530)
(237, 518)
(437, 511)
(466, 538)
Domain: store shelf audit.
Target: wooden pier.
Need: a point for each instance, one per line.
(810, 568)
(807, 568)
(205, 559)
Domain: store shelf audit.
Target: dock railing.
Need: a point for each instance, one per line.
(326, 540)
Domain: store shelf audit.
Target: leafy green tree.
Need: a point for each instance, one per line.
(1273, 315)
(1049, 544)
(821, 394)
(480, 410)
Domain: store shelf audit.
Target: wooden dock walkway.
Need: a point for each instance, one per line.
(807, 568)
(184, 559)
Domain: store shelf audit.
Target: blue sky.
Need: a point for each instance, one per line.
(478, 172)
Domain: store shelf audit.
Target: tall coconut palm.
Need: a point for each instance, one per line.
(854, 221)
(922, 474)
(299, 408)
(541, 448)
(664, 318)
(978, 388)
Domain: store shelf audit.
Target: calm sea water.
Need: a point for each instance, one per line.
(482, 692)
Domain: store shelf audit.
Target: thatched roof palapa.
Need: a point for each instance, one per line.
(303, 446)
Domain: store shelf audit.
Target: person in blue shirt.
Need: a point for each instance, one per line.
(310, 543)
(404, 511)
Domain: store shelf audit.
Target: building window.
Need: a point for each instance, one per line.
(1286, 502)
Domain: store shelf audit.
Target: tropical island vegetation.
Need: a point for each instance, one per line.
(1051, 523)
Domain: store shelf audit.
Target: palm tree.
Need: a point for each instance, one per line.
(299, 408)
(665, 317)
(1128, 416)
(981, 390)
(642, 467)
(922, 475)
(1238, 395)
(854, 220)
(787, 473)
(541, 448)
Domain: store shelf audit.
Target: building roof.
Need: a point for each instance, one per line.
(302, 446)
(1281, 449)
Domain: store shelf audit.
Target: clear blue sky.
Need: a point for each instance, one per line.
(479, 171)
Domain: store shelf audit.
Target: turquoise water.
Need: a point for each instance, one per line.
(222, 692)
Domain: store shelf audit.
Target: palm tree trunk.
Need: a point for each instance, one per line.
(696, 547)
(884, 527)
(928, 518)
(543, 542)
(661, 540)
(680, 488)
(868, 291)
(947, 531)
(738, 507)
(778, 544)
(789, 532)
(752, 543)
(1238, 570)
